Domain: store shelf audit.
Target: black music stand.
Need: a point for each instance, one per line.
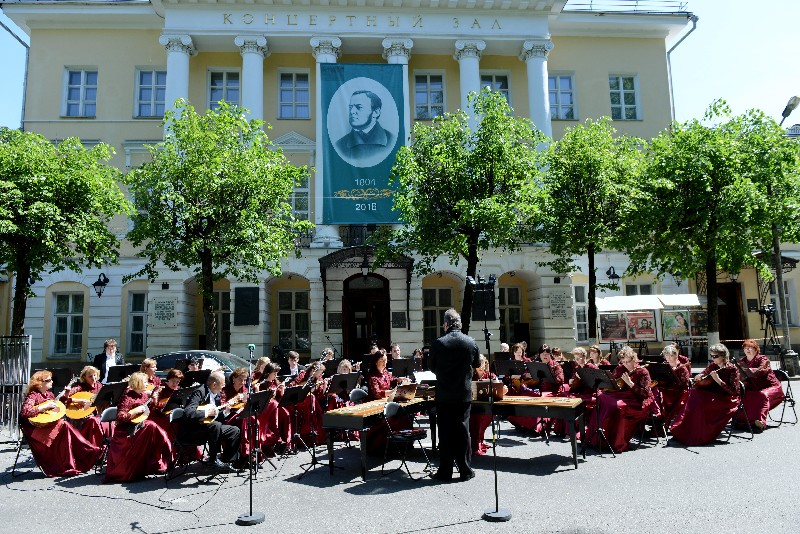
(178, 398)
(255, 405)
(403, 368)
(598, 379)
(292, 396)
(331, 367)
(109, 394)
(540, 371)
(342, 384)
(662, 372)
(192, 378)
(509, 367)
(118, 373)
(607, 367)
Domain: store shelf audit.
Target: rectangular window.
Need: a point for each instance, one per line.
(582, 312)
(299, 200)
(624, 98)
(68, 320)
(294, 320)
(137, 322)
(428, 96)
(295, 102)
(222, 313)
(223, 85)
(151, 87)
(561, 92)
(435, 301)
(80, 93)
(510, 313)
(497, 82)
(638, 289)
(788, 297)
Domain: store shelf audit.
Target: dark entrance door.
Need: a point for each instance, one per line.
(366, 314)
(731, 320)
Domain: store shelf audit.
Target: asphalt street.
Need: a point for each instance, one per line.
(739, 486)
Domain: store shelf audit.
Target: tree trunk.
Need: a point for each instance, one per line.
(711, 295)
(21, 277)
(207, 292)
(472, 269)
(592, 334)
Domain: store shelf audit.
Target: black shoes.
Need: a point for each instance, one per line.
(441, 477)
(469, 475)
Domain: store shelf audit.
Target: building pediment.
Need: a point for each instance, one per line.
(294, 142)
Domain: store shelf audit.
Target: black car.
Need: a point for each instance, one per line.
(211, 359)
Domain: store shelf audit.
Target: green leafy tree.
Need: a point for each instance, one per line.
(589, 182)
(55, 205)
(707, 207)
(213, 199)
(462, 192)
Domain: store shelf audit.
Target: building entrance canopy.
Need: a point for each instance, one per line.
(646, 302)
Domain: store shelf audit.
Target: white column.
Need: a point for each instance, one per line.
(179, 49)
(253, 49)
(468, 55)
(325, 49)
(398, 52)
(534, 54)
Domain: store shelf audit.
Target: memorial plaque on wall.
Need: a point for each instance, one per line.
(245, 312)
(335, 321)
(559, 301)
(398, 319)
(164, 312)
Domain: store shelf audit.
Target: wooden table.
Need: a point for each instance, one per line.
(567, 408)
(363, 416)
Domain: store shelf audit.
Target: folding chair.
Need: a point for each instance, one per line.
(788, 399)
(182, 458)
(20, 442)
(740, 415)
(402, 440)
(107, 419)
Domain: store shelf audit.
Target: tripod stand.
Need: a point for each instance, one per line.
(770, 333)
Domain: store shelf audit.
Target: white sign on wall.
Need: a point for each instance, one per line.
(559, 302)
(164, 312)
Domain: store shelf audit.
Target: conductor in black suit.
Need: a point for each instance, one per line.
(108, 358)
(205, 402)
(453, 358)
(367, 137)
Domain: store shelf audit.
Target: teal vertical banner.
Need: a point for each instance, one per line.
(362, 112)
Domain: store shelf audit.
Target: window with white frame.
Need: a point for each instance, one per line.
(80, 93)
(510, 313)
(151, 88)
(435, 301)
(222, 313)
(581, 312)
(428, 95)
(638, 289)
(294, 94)
(223, 85)
(299, 199)
(137, 322)
(497, 82)
(68, 324)
(294, 320)
(624, 98)
(561, 92)
(788, 298)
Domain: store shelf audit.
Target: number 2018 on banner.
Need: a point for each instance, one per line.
(367, 206)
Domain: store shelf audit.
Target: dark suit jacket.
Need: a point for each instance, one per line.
(192, 427)
(357, 145)
(100, 362)
(452, 358)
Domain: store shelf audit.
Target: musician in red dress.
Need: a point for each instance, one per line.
(518, 351)
(234, 396)
(258, 371)
(89, 426)
(672, 397)
(379, 382)
(595, 356)
(622, 411)
(763, 390)
(479, 422)
(274, 422)
(162, 396)
(148, 367)
(711, 403)
(137, 449)
(58, 448)
(310, 410)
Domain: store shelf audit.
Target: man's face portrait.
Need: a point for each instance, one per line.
(362, 115)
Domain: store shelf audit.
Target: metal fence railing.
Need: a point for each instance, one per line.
(15, 369)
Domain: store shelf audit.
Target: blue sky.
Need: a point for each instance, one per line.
(742, 51)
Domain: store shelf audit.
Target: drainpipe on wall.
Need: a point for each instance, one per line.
(694, 19)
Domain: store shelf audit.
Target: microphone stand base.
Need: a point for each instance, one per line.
(247, 520)
(497, 515)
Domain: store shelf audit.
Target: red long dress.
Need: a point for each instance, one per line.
(621, 412)
(545, 389)
(89, 427)
(136, 450)
(763, 390)
(708, 410)
(673, 397)
(274, 422)
(478, 423)
(378, 384)
(58, 448)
